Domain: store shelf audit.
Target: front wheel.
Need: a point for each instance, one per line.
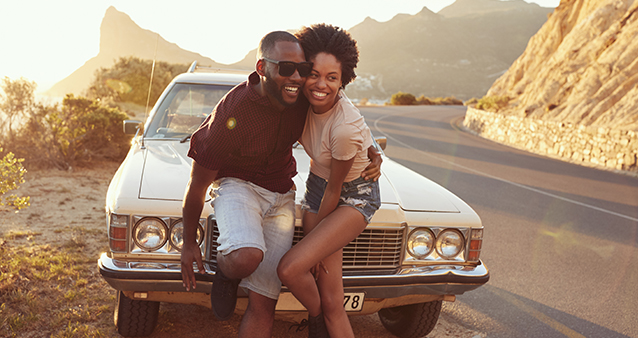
(135, 318)
(411, 321)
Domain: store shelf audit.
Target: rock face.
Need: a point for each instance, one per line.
(580, 68)
(574, 91)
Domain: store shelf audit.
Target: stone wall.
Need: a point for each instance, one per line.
(599, 147)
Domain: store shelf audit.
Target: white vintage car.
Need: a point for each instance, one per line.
(422, 247)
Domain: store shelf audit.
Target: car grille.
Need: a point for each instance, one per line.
(375, 249)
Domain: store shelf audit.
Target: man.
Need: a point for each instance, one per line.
(245, 148)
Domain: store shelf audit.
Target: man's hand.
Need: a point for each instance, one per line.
(194, 197)
(373, 170)
(190, 254)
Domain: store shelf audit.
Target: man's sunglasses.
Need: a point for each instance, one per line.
(287, 68)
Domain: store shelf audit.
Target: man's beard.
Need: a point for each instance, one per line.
(274, 90)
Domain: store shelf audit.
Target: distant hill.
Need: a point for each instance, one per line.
(120, 36)
(580, 68)
(458, 52)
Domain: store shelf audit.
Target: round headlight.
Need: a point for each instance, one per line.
(420, 243)
(449, 243)
(177, 235)
(150, 233)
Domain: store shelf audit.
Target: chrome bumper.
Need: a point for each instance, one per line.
(425, 280)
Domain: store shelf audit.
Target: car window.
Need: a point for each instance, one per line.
(184, 108)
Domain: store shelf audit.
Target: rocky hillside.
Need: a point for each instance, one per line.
(581, 67)
(458, 52)
(120, 37)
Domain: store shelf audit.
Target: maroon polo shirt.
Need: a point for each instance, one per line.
(248, 138)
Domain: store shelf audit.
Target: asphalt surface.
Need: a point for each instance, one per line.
(560, 241)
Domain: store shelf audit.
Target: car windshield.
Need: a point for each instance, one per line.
(184, 109)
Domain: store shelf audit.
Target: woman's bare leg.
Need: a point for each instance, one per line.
(329, 236)
(331, 291)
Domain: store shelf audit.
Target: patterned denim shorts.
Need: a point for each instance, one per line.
(360, 194)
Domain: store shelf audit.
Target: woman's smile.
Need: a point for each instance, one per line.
(323, 84)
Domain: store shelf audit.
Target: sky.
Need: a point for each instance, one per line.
(46, 40)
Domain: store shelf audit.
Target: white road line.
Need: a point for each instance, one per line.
(376, 125)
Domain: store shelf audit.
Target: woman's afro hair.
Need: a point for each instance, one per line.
(333, 40)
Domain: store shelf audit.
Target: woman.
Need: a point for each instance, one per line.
(338, 203)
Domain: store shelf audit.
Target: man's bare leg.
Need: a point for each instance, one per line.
(259, 317)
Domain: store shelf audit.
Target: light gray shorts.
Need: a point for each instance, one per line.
(251, 216)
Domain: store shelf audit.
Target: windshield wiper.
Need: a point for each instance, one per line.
(185, 138)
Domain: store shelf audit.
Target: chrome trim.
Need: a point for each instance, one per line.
(425, 280)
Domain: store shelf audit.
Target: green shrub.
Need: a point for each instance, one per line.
(16, 103)
(439, 101)
(471, 102)
(128, 79)
(402, 99)
(11, 176)
(447, 101)
(422, 100)
(492, 103)
(77, 131)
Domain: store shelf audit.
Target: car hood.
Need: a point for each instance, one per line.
(166, 171)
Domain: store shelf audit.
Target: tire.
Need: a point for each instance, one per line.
(135, 318)
(411, 321)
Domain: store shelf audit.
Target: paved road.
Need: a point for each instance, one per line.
(561, 239)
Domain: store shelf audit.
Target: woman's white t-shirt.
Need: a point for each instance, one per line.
(339, 133)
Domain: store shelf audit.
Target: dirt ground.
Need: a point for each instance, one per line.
(68, 204)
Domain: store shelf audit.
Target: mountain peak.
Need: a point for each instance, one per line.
(479, 7)
(426, 12)
(120, 36)
(118, 33)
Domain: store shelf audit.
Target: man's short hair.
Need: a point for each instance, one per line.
(268, 42)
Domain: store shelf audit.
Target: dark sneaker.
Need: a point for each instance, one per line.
(316, 327)
(223, 295)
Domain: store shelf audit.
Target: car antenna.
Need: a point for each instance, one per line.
(150, 85)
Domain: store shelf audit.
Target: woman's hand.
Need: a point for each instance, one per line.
(315, 269)
(373, 170)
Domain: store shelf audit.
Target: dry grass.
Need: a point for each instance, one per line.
(52, 291)
(49, 283)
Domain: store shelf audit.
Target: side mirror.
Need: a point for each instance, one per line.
(132, 126)
(382, 141)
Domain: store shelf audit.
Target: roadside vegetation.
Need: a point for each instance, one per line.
(60, 135)
(51, 288)
(490, 103)
(127, 81)
(11, 176)
(79, 130)
(407, 99)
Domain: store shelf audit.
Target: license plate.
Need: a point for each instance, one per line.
(353, 301)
